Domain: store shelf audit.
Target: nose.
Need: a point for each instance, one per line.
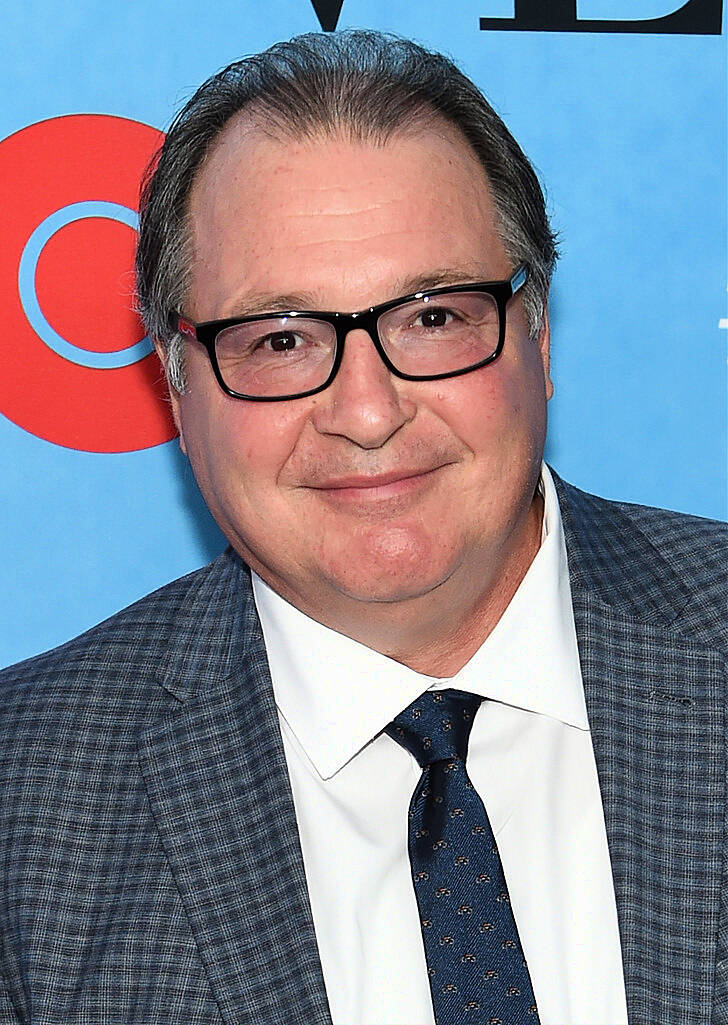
(364, 403)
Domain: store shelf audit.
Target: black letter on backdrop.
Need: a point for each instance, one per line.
(327, 12)
(694, 18)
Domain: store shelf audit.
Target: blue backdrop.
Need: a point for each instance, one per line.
(627, 128)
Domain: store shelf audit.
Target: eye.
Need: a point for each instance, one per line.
(280, 341)
(434, 316)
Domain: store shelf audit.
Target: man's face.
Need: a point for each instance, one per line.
(376, 489)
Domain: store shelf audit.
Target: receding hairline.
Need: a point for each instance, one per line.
(258, 119)
(249, 125)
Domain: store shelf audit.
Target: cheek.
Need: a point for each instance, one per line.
(499, 414)
(516, 388)
(238, 448)
(478, 406)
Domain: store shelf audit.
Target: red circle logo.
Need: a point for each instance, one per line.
(77, 368)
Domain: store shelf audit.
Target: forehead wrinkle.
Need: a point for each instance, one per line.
(341, 241)
(350, 213)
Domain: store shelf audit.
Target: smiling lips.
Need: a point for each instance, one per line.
(363, 487)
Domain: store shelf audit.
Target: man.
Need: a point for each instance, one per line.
(344, 258)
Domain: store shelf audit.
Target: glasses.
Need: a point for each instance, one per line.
(433, 334)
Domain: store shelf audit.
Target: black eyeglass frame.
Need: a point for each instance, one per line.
(207, 331)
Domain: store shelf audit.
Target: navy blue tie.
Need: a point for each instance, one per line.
(478, 975)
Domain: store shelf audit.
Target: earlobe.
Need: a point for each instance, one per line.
(544, 344)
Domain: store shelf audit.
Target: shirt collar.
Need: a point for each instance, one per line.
(336, 695)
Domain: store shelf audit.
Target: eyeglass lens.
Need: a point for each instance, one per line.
(440, 334)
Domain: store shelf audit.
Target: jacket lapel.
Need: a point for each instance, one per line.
(656, 710)
(216, 776)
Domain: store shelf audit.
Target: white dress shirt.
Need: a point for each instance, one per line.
(531, 760)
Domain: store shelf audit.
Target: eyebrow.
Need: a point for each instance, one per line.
(274, 302)
(265, 302)
(442, 278)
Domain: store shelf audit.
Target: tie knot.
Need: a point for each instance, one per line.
(436, 726)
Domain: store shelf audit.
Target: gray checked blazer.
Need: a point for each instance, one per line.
(150, 868)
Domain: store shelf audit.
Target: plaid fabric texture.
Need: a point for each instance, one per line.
(150, 867)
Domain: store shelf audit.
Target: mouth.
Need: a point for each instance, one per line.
(376, 487)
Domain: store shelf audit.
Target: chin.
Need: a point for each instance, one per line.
(392, 566)
(386, 593)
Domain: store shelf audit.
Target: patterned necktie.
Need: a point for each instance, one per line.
(478, 975)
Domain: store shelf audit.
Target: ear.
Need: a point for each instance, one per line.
(174, 396)
(544, 344)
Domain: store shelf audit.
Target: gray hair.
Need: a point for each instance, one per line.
(365, 85)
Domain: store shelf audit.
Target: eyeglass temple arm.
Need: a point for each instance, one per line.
(519, 278)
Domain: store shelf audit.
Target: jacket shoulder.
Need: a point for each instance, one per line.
(114, 663)
(673, 564)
